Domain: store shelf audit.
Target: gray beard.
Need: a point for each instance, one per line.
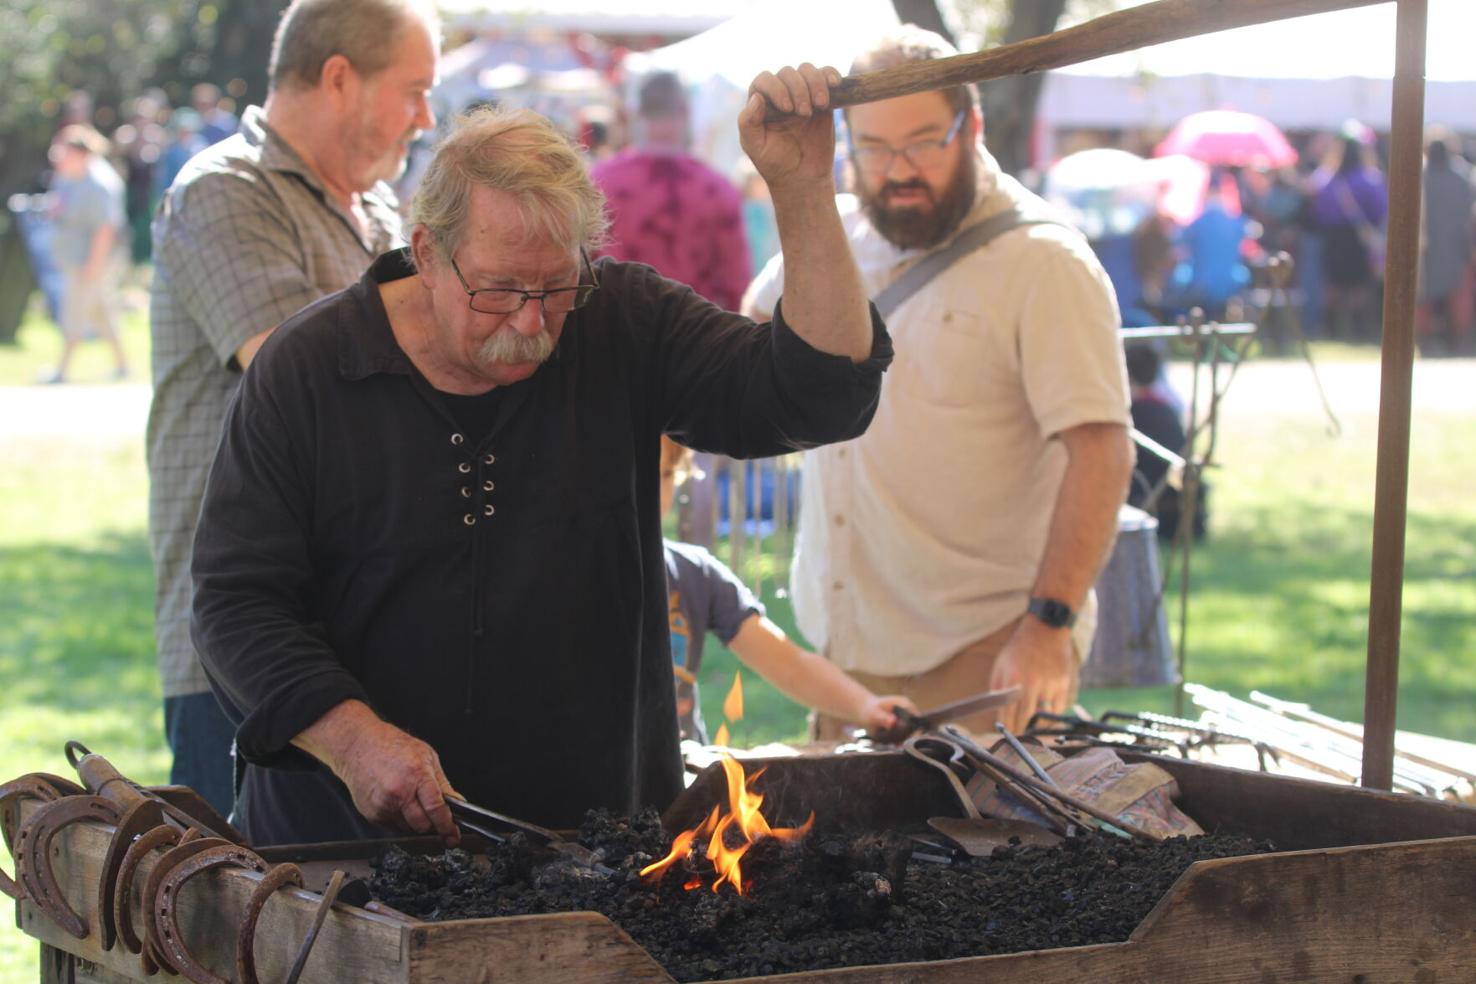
(510, 347)
(912, 228)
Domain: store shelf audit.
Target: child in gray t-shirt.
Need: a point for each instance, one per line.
(705, 595)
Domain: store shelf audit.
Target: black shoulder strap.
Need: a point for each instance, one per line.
(967, 241)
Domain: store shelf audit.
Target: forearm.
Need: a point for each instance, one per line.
(1084, 520)
(804, 677)
(331, 738)
(823, 299)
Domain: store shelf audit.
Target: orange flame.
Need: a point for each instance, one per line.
(733, 703)
(743, 817)
(722, 737)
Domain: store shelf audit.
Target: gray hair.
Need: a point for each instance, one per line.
(906, 44)
(313, 31)
(522, 154)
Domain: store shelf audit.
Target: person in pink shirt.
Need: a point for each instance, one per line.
(668, 209)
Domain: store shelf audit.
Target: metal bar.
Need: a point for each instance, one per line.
(1301, 712)
(1123, 30)
(1391, 480)
(1184, 331)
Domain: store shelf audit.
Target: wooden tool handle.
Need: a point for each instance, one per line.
(1110, 34)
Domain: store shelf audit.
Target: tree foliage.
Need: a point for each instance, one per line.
(116, 50)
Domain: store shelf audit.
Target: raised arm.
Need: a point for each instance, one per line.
(823, 300)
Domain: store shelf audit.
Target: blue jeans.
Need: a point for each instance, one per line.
(201, 737)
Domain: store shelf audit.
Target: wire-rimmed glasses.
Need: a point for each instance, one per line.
(507, 300)
(923, 155)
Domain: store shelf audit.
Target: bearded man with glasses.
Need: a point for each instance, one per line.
(952, 548)
(429, 558)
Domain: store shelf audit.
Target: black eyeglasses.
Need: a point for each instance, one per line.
(922, 155)
(506, 300)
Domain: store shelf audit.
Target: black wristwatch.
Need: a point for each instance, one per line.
(1056, 614)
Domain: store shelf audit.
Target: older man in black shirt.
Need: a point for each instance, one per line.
(429, 561)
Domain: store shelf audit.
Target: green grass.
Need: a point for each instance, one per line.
(37, 345)
(1279, 598)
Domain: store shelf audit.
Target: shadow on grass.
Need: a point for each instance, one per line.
(76, 628)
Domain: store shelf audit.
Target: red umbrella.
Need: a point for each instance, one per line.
(1228, 137)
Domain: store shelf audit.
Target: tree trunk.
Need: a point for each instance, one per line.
(923, 13)
(1009, 103)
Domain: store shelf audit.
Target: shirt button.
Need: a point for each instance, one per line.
(491, 459)
(464, 468)
(947, 317)
(838, 585)
(488, 509)
(840, 453)
(469, 519)
(487, 486)
(465, 492)
(840, 521)
(457, 439)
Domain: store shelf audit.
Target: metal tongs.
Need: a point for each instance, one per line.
(470, 817)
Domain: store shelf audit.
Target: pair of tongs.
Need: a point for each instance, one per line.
(470, 817)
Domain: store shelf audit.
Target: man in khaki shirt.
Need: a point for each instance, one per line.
(989, 481)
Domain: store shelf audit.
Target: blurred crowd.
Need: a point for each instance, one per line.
(1326, 213)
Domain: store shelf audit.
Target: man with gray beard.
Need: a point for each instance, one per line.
(254, 228)
(429, 557)
(952, 548)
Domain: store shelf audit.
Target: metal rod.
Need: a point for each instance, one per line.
(1183, 542)
(1184, 331)
(1301, 712)
(1391, 480)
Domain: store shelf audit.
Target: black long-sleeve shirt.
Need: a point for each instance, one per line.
(501, 595)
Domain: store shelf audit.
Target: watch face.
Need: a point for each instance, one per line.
(1052, 612)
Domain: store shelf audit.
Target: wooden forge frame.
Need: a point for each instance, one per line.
(1375, 887)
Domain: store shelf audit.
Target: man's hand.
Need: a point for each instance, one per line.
(395, 778)
(799, 148)
(1039, 659)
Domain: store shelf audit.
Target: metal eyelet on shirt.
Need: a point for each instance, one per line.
(466, 492)
(491, 459)
(469, 519)
(488, 509)
(457, 439)
(464, 468)
(488, 486)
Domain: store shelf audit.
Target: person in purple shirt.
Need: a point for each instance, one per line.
(1349, 203)
(668, 209)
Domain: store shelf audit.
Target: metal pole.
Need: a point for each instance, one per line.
(1391, 481)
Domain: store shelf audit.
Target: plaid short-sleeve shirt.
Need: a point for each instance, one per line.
(244, 238)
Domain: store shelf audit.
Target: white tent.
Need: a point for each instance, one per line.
(719, 63)
(1304, 73)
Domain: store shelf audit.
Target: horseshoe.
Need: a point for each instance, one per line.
(166, 903)
(159, 837)
(141, 818)
(282, 874)
(177, 855)
(37, 785)
(33, 854)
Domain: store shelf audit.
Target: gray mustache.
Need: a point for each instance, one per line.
(510, 346)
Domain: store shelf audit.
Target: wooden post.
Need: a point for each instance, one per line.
(1123, 30)
(1391, 481)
